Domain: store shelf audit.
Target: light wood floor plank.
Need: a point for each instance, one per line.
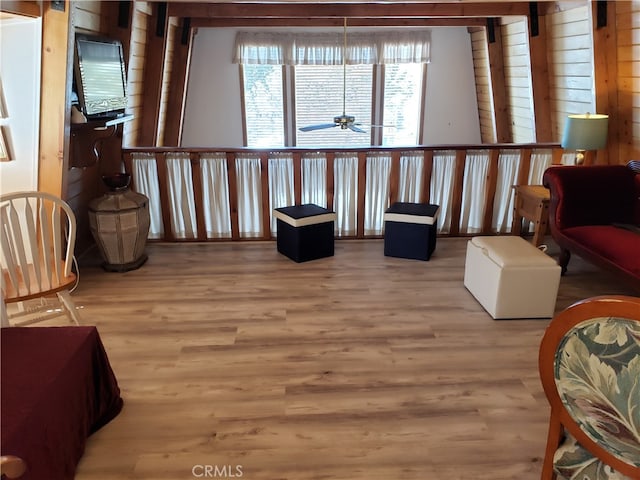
(358, 366)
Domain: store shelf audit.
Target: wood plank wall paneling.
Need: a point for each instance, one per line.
(153, 68)
(628, 46)
(177, 85)
(570, 65)
(86, 17)
(135, 74)
(173, 29)
(25, 8)
(517, 68)
(540, 81)
(83, 185)
(605, 67)
(502, 118)
(482, 74)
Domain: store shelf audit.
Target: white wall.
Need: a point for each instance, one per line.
(213, 112)
(451, 114)
(20, 44)
(213, 115)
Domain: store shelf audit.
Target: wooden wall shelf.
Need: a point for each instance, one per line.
(86, 138)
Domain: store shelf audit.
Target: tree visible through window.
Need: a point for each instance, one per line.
(293, 80)
(263, 105)
(402, 104)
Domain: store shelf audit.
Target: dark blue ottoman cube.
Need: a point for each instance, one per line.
(305, 232)
(410, 230)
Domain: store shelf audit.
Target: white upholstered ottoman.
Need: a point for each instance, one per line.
(511, 278)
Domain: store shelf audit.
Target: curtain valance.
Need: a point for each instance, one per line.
(391, 46)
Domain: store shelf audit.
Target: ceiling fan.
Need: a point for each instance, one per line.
(344, 121)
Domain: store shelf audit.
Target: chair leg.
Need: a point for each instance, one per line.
(553, 441)
(65, 299)
(4, 316)
(563, 260)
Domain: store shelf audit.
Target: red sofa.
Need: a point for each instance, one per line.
(594, 212)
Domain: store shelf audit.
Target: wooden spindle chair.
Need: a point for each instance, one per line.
(37, 240)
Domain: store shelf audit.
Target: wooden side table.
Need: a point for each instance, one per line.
(531, 203)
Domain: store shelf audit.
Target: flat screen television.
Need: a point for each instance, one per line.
(100, 77)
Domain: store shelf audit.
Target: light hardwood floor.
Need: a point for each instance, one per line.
(358, 366)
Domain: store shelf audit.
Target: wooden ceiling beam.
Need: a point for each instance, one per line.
(338, 22)
(351, 10)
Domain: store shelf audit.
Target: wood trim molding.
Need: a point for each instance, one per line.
(25, 8)
(55, 112)
(605, 63)
(498, 88)
(540, 81)
(352, 10)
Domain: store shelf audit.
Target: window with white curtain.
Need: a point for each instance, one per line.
(321, 78)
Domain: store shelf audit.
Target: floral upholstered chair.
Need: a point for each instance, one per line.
(590, 371)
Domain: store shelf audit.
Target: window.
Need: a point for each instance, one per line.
(293, 80)
(263, 105)
(401, 104)
(319, 98)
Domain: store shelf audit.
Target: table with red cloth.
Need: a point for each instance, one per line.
(57, 389)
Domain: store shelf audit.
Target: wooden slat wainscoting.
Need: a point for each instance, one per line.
(523, 153)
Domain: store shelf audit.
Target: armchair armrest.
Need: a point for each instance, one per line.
(591, 195)
(12, 466)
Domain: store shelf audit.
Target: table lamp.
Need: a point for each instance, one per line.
(585, 132)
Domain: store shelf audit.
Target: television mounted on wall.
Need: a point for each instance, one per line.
(100, 76)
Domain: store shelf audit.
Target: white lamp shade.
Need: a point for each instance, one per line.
(585, 132)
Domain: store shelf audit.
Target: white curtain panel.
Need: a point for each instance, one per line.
(540, 161)
(508, 166)
(145, 179)
(249, 195)
(376, 199)
(473, 191)
(314, 179)
(410, 181)
(326, 48)
(281, 190)
(568, 158)
(181, 196)
(444, 163)
(345, 197)
(215, 192)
